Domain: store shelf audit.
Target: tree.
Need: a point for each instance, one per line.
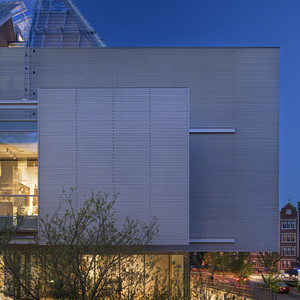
(269, 260)
(197, 259)
(225, 260)
(79, 253)
(271, 282)
(212, 259)
(241, 265)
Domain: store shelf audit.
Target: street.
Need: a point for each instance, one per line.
(288, 296)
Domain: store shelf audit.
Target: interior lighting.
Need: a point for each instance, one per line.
(10, 153)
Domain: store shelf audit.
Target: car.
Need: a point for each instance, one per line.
(241, 280)
(287, 275)
(282, 288)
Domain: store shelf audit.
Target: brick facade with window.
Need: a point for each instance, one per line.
(289, 247)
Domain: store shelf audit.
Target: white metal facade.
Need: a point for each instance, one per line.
(233, 116)
(132, 140)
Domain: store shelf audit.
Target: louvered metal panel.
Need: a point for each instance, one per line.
(94, 141)
(219, 88)
(11, 73)
(168, 167)
(47, 70)
(161, 67)
(132, 68)
(57, 147)
(103, 67)
(73, 69)
(228, 88)
(132, 156)
(257, 146)
(119, 141)
(212, 181)
(190, 72)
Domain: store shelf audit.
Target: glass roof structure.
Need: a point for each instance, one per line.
(18, 12)
(59, 24)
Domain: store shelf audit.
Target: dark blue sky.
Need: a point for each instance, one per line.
(199, 23)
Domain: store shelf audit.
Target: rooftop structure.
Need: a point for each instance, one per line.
(59, 24)
(14, 23)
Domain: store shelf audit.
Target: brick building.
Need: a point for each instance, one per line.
(289, 236)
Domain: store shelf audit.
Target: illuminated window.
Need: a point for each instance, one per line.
(18, 168)
(288, 237)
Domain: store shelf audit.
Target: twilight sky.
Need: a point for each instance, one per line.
(209, 23)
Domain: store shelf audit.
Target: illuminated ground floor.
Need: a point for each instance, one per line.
(147, 276)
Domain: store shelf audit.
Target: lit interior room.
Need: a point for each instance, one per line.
(18, 173)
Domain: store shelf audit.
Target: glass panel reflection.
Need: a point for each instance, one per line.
(18, 173)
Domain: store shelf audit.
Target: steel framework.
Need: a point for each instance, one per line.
(18, 11)
(59, 24)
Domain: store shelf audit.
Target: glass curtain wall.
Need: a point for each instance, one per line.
(18, 163)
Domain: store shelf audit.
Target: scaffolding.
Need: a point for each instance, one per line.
(59, 24)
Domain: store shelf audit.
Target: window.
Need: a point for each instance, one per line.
(288, 211)
(288, 237)
(284, 224)
(18, 168)
(283, 251)
(285, 264)
(288, 251)
(289, 224)
(293, 237)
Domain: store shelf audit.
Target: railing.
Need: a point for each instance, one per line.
(19, 212)
(230, 291)
(245, 291)
(13, 205)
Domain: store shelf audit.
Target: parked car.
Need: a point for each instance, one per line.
(288, 275)
(282, 288)
(241, 280)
